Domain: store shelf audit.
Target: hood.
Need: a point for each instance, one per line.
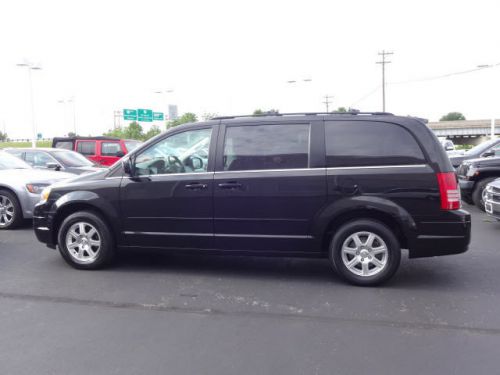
(456, 160)
(99, 175)
(495, 183)
(82, 170)
(33, 175)
(491, 161)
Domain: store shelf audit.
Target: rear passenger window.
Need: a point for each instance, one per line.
(110, 148)
(256, 147)
(364, 143)
(86, 148)
(65, 145)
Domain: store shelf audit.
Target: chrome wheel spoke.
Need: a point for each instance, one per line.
(83, 242)
(368, 257)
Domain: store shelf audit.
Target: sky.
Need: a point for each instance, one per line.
(232, 57)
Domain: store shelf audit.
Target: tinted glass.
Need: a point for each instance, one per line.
(364, 143)
(266, 147)
(65, 144)
(86, 148)
(110, 148)
(72, 159)
(38, 159)
(185, 152)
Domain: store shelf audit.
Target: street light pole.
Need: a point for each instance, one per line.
(30, 67)
(383, 62)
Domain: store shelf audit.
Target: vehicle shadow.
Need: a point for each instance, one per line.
(413, 274)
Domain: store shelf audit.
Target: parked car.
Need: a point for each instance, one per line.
(55, 158)
(482, 150)
(354, 188)
(448, 145)
(474, 175)
(491, 197)
(102, 150)
(20, 188)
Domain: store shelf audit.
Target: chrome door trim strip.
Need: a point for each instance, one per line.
(379, 167)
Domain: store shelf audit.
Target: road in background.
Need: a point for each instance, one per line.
(158, 313)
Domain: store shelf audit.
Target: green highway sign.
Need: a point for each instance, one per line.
(130, 114)
(145, 115)
(158, 116)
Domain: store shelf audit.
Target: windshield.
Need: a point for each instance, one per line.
(72, 159)
(11, 162)
(132, 145)
(480, 148)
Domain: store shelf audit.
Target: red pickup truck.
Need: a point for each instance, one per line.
(101, 150)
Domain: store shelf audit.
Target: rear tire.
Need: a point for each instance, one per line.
(11, 214)
(365, 252)
(477, 194)
(85, 241)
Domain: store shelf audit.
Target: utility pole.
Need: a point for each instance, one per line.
(383, 62)
(327, 102)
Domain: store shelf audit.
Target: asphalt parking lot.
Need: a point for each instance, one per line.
(157, 313)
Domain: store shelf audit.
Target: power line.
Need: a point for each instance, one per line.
(327, 102)
(383, 63)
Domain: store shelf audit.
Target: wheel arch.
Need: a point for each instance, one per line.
(381, 210)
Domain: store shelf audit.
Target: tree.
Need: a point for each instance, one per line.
(155, 130)
(71, 134)
(3, 136)
(132, 131)
(185, 118)
(341, 109)
(208, 116)
(452, 116)
(260, 112)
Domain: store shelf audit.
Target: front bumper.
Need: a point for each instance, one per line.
(42, 225)
(466, 187)
(492, 208)
(451, 235)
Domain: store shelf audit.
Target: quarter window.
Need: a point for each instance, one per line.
(256, 147)
(185, 152)
(364, 143)
(86, 148)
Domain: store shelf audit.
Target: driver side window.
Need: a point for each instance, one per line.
(185, 152)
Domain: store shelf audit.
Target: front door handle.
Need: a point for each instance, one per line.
(196, 186)
(230, 185)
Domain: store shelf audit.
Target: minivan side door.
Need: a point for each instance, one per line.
(270, 182)
(167, 203)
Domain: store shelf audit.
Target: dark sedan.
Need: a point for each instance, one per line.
(56, 159)
(482, 150)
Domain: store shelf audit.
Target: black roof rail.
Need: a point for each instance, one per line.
(304, 114)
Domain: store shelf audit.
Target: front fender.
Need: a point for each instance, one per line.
(90, 199)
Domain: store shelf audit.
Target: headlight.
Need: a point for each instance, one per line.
(36, 188)
(45, 194)
(471, 171)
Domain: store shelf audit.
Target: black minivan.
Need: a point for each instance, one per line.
(355, 188)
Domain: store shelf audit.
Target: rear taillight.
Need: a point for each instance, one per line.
(449, 191)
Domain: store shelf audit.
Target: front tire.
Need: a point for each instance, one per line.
(85, 241)
(365, 252)
(477, 194)
(11, 215)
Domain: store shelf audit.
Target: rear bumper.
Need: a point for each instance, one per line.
(446, 237)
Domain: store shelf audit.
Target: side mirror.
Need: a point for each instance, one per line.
(55, 166)
(196, 162)
(128, 167)
(120, 154)
(488, 154)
